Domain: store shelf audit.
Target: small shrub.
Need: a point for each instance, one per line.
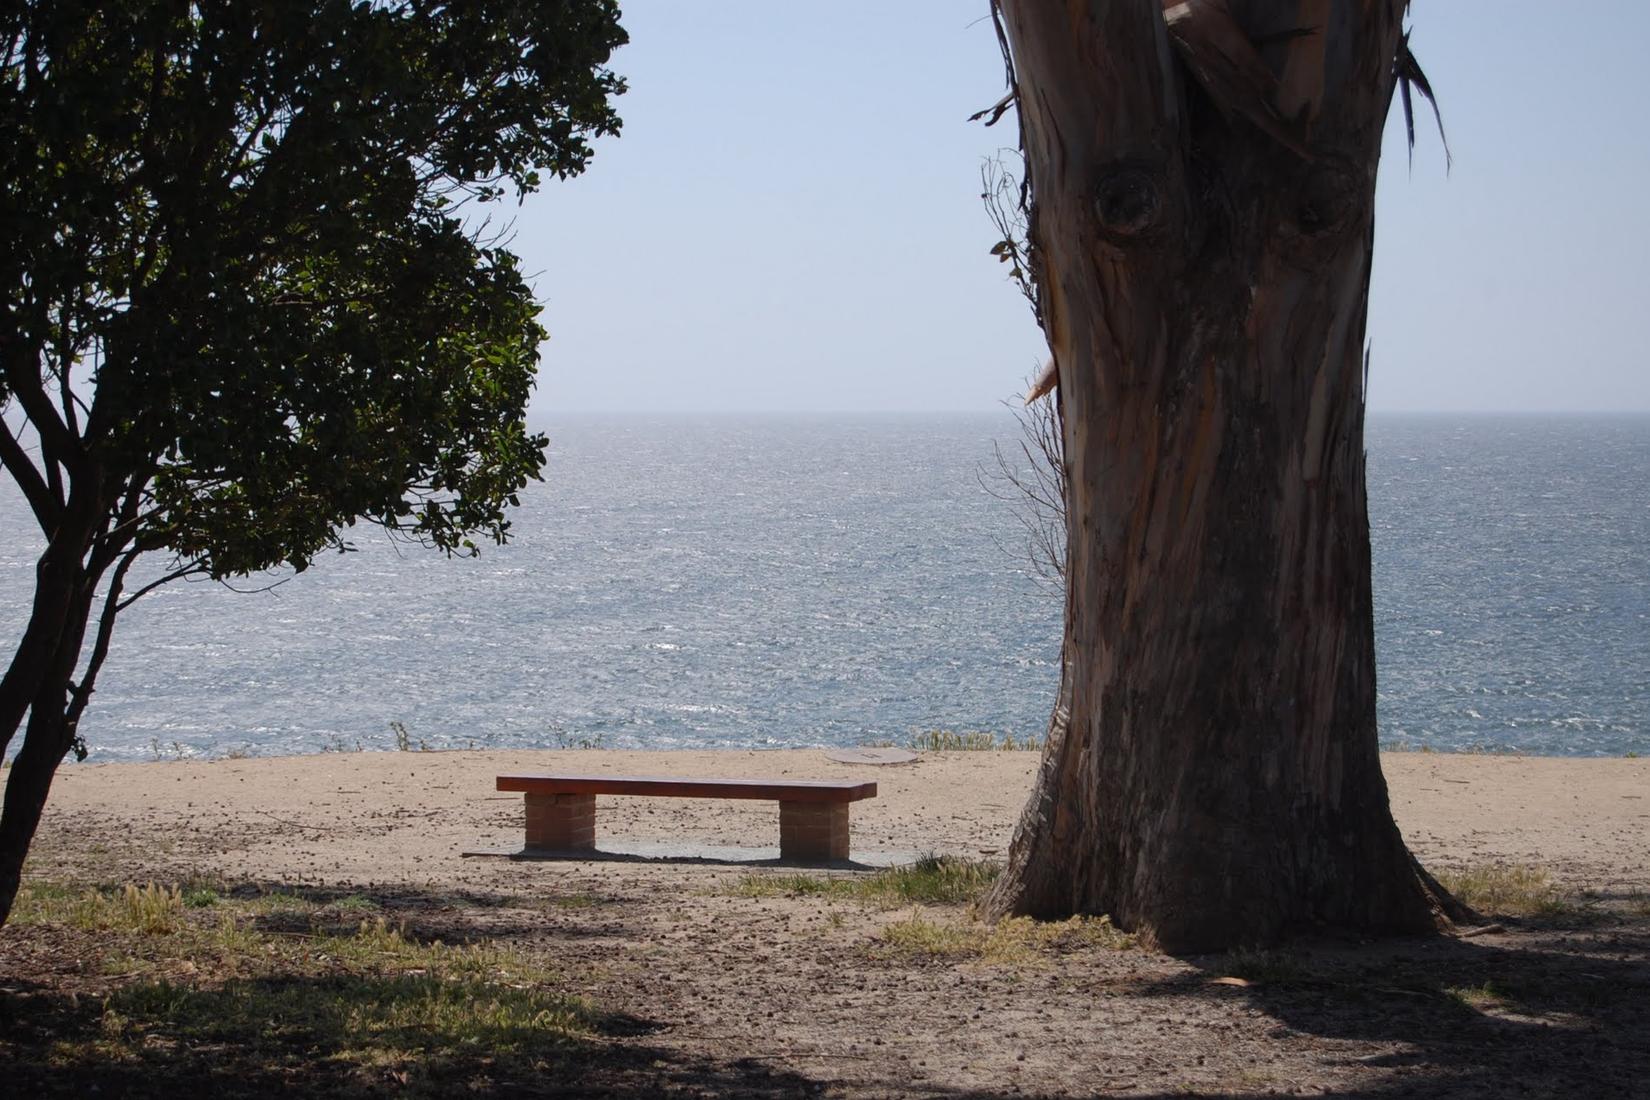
(199, 897)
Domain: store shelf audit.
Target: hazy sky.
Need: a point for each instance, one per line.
(791, 218)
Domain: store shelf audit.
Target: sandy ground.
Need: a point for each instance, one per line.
(787, 996)
(406, 818)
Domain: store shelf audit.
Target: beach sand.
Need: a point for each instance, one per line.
(793, 995)
(406, 818)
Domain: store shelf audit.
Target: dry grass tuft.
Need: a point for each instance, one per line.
(1508, 890)
(932, 880)
(972, 741)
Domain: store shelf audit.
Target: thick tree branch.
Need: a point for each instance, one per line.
(47, 507)
(81, 693)
(111, 543)
(57, 443)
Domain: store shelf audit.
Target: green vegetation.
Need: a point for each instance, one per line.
(1476, 748)
(940, 881)
(404, 739)
(1489, 994)
(932, 880)
(565, 740)
(1508, 890)
(147, 910)
(354, 1004)
(969, 741)
(254, 299)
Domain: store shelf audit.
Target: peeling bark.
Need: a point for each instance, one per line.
(1201, 237)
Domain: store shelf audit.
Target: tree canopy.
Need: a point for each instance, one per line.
(253, 293)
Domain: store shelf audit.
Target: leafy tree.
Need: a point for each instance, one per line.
(246, 304)
(1202, 179)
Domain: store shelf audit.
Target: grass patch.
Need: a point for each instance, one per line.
(1509, 890)
(1488, 995)
(199, 897)
(1014, 941)
(146, 910)
(972, 741)
(206, 991)
(798, 885)
(920, 936)
(277, 901)
(369, 1020)
(932, 880)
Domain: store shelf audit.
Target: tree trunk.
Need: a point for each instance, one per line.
(39, 681)
(46, 742)
(1201, 225)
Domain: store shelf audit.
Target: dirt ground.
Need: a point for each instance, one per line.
(797, 994)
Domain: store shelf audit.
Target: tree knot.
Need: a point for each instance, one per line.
(1128, 201)
(1327, 202)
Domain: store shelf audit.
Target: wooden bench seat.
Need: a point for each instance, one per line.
(813, 813)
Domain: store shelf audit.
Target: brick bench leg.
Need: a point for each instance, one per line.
(561, 822)
(813, 832)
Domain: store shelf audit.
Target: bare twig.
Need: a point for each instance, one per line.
(1030, 478)
(996, 110)
(191, 569)
(1003, 197)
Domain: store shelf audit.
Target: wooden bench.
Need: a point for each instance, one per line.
(813, 814)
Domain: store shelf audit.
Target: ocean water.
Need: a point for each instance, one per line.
(800, 581)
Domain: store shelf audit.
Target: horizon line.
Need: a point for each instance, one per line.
(540, 414)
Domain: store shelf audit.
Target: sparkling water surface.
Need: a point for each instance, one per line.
(801, 581)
